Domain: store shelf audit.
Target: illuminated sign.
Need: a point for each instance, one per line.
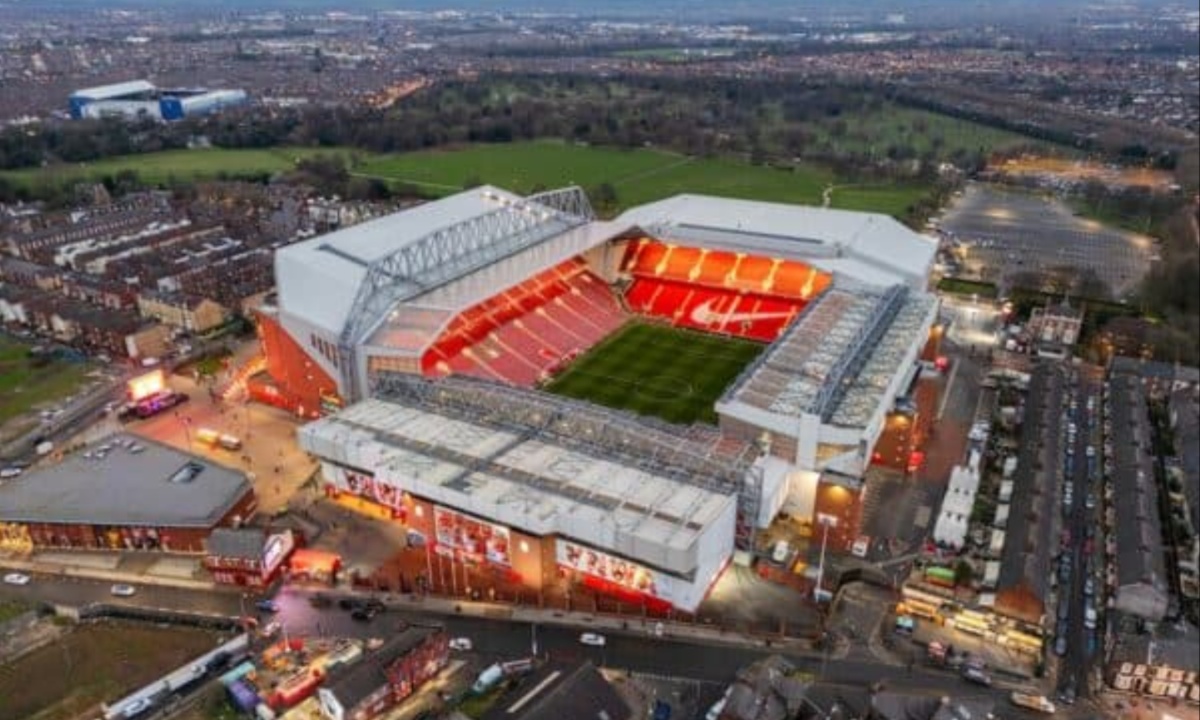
(277, 548)
(146, 385)
(472, 537)
(606, 567)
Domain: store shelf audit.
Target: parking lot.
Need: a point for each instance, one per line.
(1004, 233)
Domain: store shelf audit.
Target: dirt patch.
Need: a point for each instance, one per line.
(92, 664)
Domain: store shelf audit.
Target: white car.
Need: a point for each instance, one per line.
(271, 629)
(123, 590)
(9, 472)
(16, 578)
(593, 639)
(461, 643)
(860, 548)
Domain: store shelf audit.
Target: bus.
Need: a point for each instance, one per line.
(216, 439)
(939, 576)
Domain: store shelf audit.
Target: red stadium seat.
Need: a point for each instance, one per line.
(521, 334)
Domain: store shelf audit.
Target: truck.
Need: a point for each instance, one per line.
(936, 575)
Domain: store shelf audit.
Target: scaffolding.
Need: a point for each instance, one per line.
(694, 457)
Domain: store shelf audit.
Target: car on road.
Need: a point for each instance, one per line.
(123, 590)
(271, 629)
(461, 644)
(1089, 586)
(267, 605)
(1064, 609)
(1090, 618)
(974, 675)
(16, 578)
(1060, 645)
(593, 639)
(9, 472)
(1033, 702)
(320, 601)
(364, 613)
(1090, 502)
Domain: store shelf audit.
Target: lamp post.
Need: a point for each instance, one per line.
(826, 522)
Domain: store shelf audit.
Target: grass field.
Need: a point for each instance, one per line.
(673, 374)
(639, 176)
(874, 132)
(91, 664)
(23, 384)
(182, 164)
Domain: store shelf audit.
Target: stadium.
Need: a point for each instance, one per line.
(627, 402)
(138, 99)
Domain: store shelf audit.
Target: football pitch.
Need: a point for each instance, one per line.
(670, 373)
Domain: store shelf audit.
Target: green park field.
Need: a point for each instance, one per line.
(673, 374)
(24, 382)
(161, 167)
(638, 176)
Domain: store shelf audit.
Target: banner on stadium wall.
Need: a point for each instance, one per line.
(373, 489)
(471, 536)
(606, 567)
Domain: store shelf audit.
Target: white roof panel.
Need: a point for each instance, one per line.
(868, 247)
(104, 92)
(527, 483)
(319, 278)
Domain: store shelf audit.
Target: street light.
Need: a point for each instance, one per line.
(826, 522)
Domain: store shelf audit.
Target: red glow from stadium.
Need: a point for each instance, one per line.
(144, 386)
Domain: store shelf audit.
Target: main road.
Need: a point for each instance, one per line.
(496, 639)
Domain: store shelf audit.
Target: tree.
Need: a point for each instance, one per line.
(604, 196)
(964, 573)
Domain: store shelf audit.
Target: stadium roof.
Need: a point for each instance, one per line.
(335, 264)
(415, 323)
(116, 90)
(868, 247)
(525, 481)
(838, 360)
(155, 485)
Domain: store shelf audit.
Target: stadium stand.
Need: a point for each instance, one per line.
(716, 291)
(521, 334)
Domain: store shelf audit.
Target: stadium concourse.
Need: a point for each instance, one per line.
(430, 340)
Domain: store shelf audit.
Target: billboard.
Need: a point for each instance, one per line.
(144, 386)
(606, 567)
(472, 537)
(374, 489)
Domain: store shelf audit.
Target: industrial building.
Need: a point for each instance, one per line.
(141, 99)
(434, 328)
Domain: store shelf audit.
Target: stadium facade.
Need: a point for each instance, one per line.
(142, 99)
(435, 327)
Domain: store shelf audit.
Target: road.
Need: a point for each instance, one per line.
(1084, 475)
(496, 639)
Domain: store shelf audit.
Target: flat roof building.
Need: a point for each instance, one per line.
(124, 492)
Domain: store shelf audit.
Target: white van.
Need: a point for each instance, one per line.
(780, 552)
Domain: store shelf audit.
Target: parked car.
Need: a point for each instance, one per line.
(267, 605)
(593, 639)
(1060, 645)
(461, 644)
(271, 629)
(9, 473)
(1067, 695)
(1089, 586)
(123, 590)
(16, 578)
(1090, 618)
(320, 601)
(365, 613)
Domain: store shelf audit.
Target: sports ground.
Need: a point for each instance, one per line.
(674, 374)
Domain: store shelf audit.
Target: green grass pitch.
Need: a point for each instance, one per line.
(673, 374)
